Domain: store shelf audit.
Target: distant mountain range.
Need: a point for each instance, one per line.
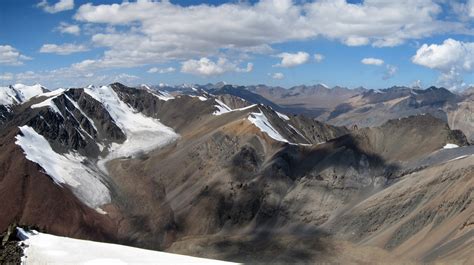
(360, 106)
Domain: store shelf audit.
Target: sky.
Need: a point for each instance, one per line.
(372, 43)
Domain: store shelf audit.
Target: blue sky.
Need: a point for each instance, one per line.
(375, 44)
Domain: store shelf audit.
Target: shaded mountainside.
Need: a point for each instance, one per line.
(219, 176)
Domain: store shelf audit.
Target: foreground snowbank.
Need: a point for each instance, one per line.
(48, 249)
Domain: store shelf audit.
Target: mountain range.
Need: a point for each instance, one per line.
(250, 174)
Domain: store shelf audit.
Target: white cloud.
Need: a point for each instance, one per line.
(68, 28)
(160, 31)
(318, 57)
(62, 5)
(207, 67)
(390, 71)
(277, 76)
(6, 76)
(452, 58)
(356, 41)
(11, 56)
(372, 61)
(292, 59)
(63, 49)
(161, 70)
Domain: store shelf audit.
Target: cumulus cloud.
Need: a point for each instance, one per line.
(161, 70)
(372, 61)
(207, 67)
(318, 57)
(452, 59)
(292, 59)
(63, 49)
(11, 56)
(160, 31)
(60, 6)
(277, 76)
(68, 28)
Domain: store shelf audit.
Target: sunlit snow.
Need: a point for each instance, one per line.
(68, 168)
(450, 146)
(261, 121)
(143, 133)
(18, 93)
(48, 249)
(221, 107)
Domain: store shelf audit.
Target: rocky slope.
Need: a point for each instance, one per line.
(217, 176)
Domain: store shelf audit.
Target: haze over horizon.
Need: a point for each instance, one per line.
(275, 42)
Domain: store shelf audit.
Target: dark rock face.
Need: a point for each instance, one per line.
(5, 114)
(107, 129)
(72, 128)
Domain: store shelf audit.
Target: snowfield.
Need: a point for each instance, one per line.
(26, 92)
(143, 133)
(18, 93)
(66, 169)
(48, 249)
(7, 96)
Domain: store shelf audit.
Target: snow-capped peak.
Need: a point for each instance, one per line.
(19, 93)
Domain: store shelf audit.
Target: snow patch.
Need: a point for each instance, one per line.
(283, 116)
(201, 98)
(221, 107)
(49, 102)
(162, 95)
(261, 121)
(450, 146)
(68, 168)
(43, 248)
